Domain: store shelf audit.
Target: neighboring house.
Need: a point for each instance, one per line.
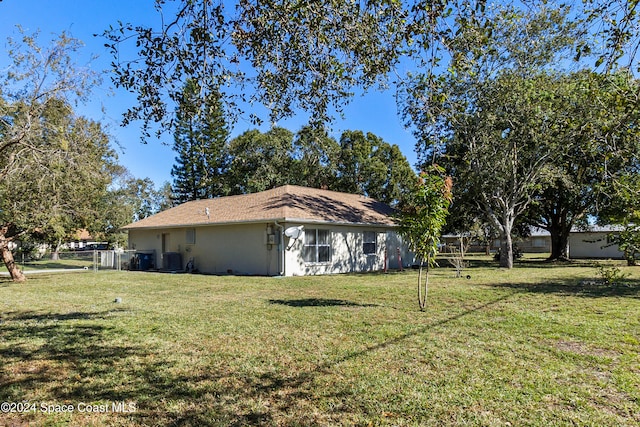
(285, 231)
(81, 239)
(452, 242)
(539, 241)
(594, 242)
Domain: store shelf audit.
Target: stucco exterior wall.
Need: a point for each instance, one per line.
(347, 251)
(224, 249)
(396, 247)
(592, 245)
(247, 249)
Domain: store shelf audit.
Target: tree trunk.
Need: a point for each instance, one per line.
(55, 255)
(9, 262)
(631, 261)
(558, 222)
(506, 250)
(504, 224)
(422, 296)
(559, 243)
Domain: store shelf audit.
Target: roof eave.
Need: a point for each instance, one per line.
(259, 221)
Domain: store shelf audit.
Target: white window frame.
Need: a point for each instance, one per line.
(368, 238)
(316, 245)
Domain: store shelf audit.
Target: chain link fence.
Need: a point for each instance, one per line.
(93, 260)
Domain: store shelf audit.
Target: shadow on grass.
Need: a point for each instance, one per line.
(319, 302)
(60, 265)
(57, 317)
(84, 357)
(42, 347)
(591, 289)
(571, 263)
(543, 263)
(67, 358)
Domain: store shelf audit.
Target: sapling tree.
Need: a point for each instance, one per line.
(421, 222)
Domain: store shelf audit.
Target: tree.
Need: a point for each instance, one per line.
(616, 39)
(79, 168)
(292, 55)
(596, 133)
(53, 183)
(165, 197)
(624, 210)
(53, 189)
(200, 140)
(146, 199)
(313, 158)
(353, 168)
(370, 166)
(54, 165)
(128, 199)
(393, 175)
(498, 148)
(489, 120)
(117, 208)
(138, 195)
(628, 239)
(260, 161)
(421, 221)
(306, 55)
(39, 81)
(580, 122)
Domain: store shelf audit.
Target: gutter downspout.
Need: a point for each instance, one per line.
(281, 246)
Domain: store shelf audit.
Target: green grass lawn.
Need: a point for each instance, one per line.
(67, 260)
(532, 346)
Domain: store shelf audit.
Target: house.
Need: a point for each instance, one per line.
(286, 231)
(80, 240)
(594, 242)
(538, 241)
(452, 242)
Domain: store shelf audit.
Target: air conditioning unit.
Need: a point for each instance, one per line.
(172, 261)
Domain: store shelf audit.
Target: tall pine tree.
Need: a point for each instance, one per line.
(200, 141)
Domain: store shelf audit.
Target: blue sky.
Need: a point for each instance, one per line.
(375, 112)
